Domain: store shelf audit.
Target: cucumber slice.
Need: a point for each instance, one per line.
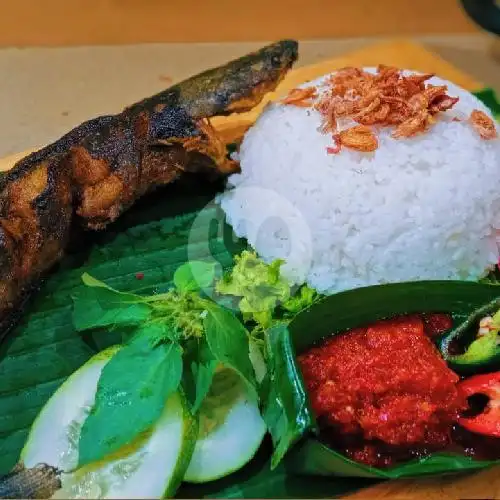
(231, 429)
(152, 466)
(54, 434)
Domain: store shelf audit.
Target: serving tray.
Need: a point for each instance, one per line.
(152, 239)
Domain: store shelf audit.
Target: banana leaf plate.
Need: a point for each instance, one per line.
(139, 252)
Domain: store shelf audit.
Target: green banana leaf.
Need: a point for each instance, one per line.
(152, 238)
(256, 480)
(355, 308)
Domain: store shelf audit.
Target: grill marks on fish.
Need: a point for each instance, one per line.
(91, 175)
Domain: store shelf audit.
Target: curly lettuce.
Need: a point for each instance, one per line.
(262, 290)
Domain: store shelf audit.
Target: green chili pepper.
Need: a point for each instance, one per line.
(480, 352)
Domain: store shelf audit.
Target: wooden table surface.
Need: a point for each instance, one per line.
(482, 485)
(63, 23)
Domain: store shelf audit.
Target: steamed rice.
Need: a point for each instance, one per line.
(426, 207)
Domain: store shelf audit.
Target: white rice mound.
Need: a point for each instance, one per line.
(426, 207)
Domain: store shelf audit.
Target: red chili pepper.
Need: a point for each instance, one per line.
(487, 422)
(139, 276)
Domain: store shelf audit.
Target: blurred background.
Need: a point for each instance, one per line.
(63, 61)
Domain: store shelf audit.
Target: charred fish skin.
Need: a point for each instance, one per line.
(235, 87)
(41, 481)
(109, 162)
(95, 172)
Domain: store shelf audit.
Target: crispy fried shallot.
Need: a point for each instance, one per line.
(387, 98)
(483, 124)
(360, 138)
(301, 97)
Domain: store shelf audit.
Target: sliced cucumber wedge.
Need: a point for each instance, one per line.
(231, 429)
(152, 466)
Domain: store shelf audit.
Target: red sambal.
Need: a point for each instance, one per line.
(383, 392)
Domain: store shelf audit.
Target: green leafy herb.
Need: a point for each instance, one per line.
(131, 395)
(263, 290)
(98, 305)
(260, 286)
(194, 276)
(199, 369)
(161, 323)
(257, 359)
(228, 340)
(286, 408)
(157, 331)
(181, 311)
(209, 333)
(304, 298)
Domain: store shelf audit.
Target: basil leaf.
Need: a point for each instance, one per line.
(286, 408)
(131, 395)
(257, 360)
(199, 369)
(157, 331)
(228, 341)
(194, 276)
(98, 305)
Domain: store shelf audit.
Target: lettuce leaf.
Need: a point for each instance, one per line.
(262, 290)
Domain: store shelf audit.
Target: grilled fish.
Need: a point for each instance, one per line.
(41, 481)
(94, 173)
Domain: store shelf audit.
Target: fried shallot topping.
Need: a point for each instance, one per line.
(483, 124)
(359, 137)
(384, 99)
(301, 97)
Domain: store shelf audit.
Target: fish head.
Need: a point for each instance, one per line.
(269, 64)
(256, 74)
(241, 84)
